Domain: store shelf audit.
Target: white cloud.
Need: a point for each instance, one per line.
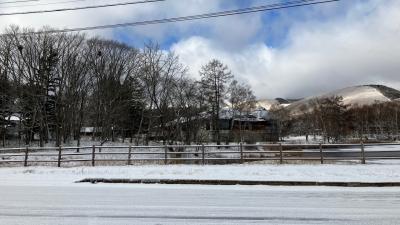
(360, 48)
(140, 12)
(327, 46)
(250, 64)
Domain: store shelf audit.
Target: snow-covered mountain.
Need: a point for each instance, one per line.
(352, 96)
(267, 103)
(271, 103)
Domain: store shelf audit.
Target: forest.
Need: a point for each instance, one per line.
(58, 83)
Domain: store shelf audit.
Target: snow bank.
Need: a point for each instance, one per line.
(38, 176)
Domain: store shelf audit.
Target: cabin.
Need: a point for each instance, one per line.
(255, 126)
(11, 124)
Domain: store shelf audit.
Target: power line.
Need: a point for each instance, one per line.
(277, 6)
(40, 4)
(21, 1)
(80, 8)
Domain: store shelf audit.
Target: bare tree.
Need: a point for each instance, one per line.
(159, 71)
(115, 68)
(332, 117)
(188, 105)
(214, 79)
(242, 101)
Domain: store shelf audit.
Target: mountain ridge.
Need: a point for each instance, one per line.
(353, 96)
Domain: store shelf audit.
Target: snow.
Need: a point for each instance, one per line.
(361, 95)
(302, 139)
(12, 118)
(267, 103)
(330, 172)
(357, 95)
(87, 129)
(111, 204)
(85, 141)
(47, 196)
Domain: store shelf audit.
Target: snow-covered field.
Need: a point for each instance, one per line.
(67, 176)
(319, 139)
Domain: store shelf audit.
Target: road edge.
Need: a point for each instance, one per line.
(237, 182)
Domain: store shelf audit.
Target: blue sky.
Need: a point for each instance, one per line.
(287, 53)
(273, 30)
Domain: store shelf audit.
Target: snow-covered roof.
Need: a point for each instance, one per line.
(12, 118)
(87, 129)
(259, 113)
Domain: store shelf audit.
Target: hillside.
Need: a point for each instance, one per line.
(389, 92)
(267, 103)
(352, 96)
(270, 103)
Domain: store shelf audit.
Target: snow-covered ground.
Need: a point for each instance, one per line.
(302, 139)
(319, 139)
(48, 196)
(112, 204)
(67, 176)
(85, 141)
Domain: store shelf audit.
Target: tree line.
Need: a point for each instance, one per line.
(59, 83)
(335, 121)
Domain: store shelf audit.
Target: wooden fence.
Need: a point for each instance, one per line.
(196, 154)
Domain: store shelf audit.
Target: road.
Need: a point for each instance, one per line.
(177, 204)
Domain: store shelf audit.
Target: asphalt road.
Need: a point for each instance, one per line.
(110, 204)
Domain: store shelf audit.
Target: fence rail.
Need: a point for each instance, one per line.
(199, 154)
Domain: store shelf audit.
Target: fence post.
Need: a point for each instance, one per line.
(280, 153)
(26, 156)
(93, 155)
(321, 153)
(59, 156)
(241, 152)
(362, 153)
(203, 156)
(165, 155)
(129, 155)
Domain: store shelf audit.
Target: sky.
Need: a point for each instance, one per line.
(291, 53)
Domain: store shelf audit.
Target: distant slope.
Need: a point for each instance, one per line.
(389, 92)
(269, 103)
(352, 96)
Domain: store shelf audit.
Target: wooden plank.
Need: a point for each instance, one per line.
(362, 153)
(321, 153)
(59, 156)
(165, 155)
(26, 156)
(93, 155)
(241, 153)
(203, 155)
(129, 155)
